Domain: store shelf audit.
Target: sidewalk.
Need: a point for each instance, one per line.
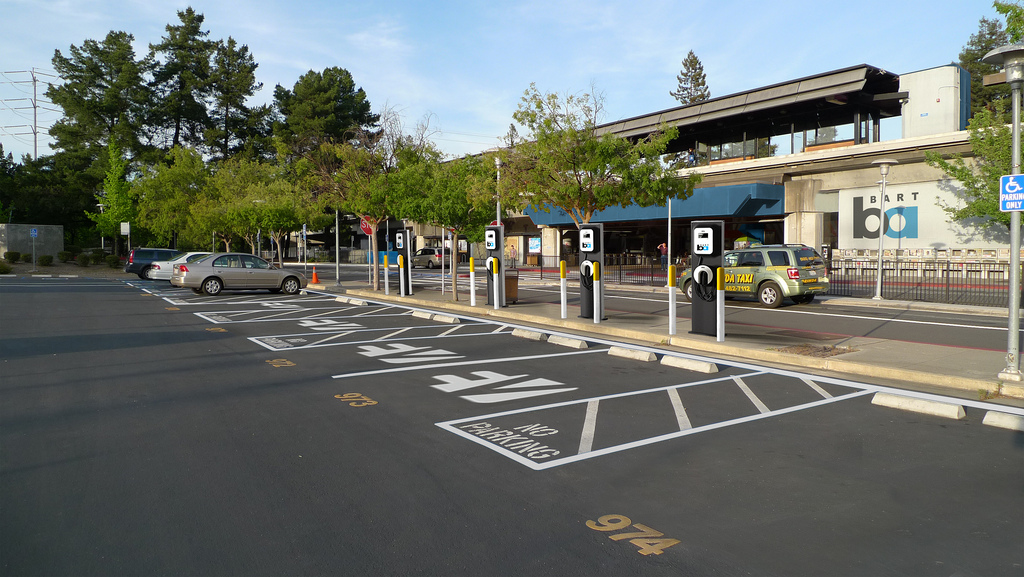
(917, 366)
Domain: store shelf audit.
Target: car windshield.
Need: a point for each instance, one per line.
(196, 257)
(808, 257)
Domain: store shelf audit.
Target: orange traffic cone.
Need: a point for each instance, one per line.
(316, 279)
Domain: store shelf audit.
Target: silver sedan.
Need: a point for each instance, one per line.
(231, 271)
(162, 269)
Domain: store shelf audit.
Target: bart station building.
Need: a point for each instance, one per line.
(792, 163)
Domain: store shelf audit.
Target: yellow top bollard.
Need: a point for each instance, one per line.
(561, 269)
(672, 276)
(401, 261)
(597, 271)
(386, 261)
(720, 274)
(471, 263)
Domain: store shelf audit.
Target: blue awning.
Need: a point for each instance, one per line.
(739, 200)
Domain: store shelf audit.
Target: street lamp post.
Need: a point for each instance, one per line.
(883, 166)
(1012, 59)
(497, 190)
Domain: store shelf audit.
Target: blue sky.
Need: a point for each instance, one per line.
(466, 64)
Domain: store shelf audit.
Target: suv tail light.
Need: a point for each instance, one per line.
(793, 273)
(131, 257)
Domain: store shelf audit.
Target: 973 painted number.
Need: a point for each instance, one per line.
(357, 399)
(644, 538)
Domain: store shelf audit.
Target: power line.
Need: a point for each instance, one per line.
(34, 73)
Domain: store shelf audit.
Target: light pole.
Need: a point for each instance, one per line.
(1012, 59)
(497, 191)
(883, 166)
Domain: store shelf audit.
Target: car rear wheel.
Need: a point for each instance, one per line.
(290, 285)
(212, 286)
(770, 295)
(803, 299)
(430, 264)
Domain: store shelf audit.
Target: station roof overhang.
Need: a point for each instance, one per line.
(740, 200)
(828, 99)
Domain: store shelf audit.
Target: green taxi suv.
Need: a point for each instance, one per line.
(770, 273)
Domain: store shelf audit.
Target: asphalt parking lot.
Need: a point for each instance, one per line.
(150, 430)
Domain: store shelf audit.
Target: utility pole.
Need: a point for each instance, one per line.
(34, 101)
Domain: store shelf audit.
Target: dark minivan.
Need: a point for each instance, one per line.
(140, 258)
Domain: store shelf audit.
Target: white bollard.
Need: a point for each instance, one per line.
(472, 284)
(671, 299)
(597, 294)
(401, 276)
(565, 292)
(387, 284)
(720, 305)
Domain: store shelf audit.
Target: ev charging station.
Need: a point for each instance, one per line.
(403, 245)
(706, 262)
(591, 254)
(494, 250)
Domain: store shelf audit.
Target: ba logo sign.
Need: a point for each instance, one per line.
(899, 222)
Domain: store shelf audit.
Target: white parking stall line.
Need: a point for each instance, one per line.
(382, 309)
(501, 328)
(239, 316)
(466, 363)
(817, 388)
(589, 427)
(398, 332)
(451, 330)
(677, 405)
(750, 395)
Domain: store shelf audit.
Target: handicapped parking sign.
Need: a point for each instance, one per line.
(1011, 193)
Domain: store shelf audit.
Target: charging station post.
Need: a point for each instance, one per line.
(706, 262)
(494, 245)
(403, 244)
(592, 253)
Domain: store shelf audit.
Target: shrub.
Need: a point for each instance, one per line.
(46, 260)
(82, 260)
(74, 250)
(12, 256)
(98, 258)
(64, 256)
(5, 268)
(113, 261)
(26, 258)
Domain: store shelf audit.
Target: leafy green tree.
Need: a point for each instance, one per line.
(442, 193)
(692, 82)
(990, 36)
(1014, 14)
(116, 199)
(565, 163)
(8, 186)
(990, 139)
(322, 107)
(167, 193)
(234, 124)
(182, 80)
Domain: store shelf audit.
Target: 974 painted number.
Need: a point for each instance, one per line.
(644, 538)
(358, 400)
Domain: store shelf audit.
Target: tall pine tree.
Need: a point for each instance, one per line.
(232, 81)
(182, 80)
(990, 35)
(693, 87)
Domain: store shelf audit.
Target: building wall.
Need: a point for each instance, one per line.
(17, 237)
